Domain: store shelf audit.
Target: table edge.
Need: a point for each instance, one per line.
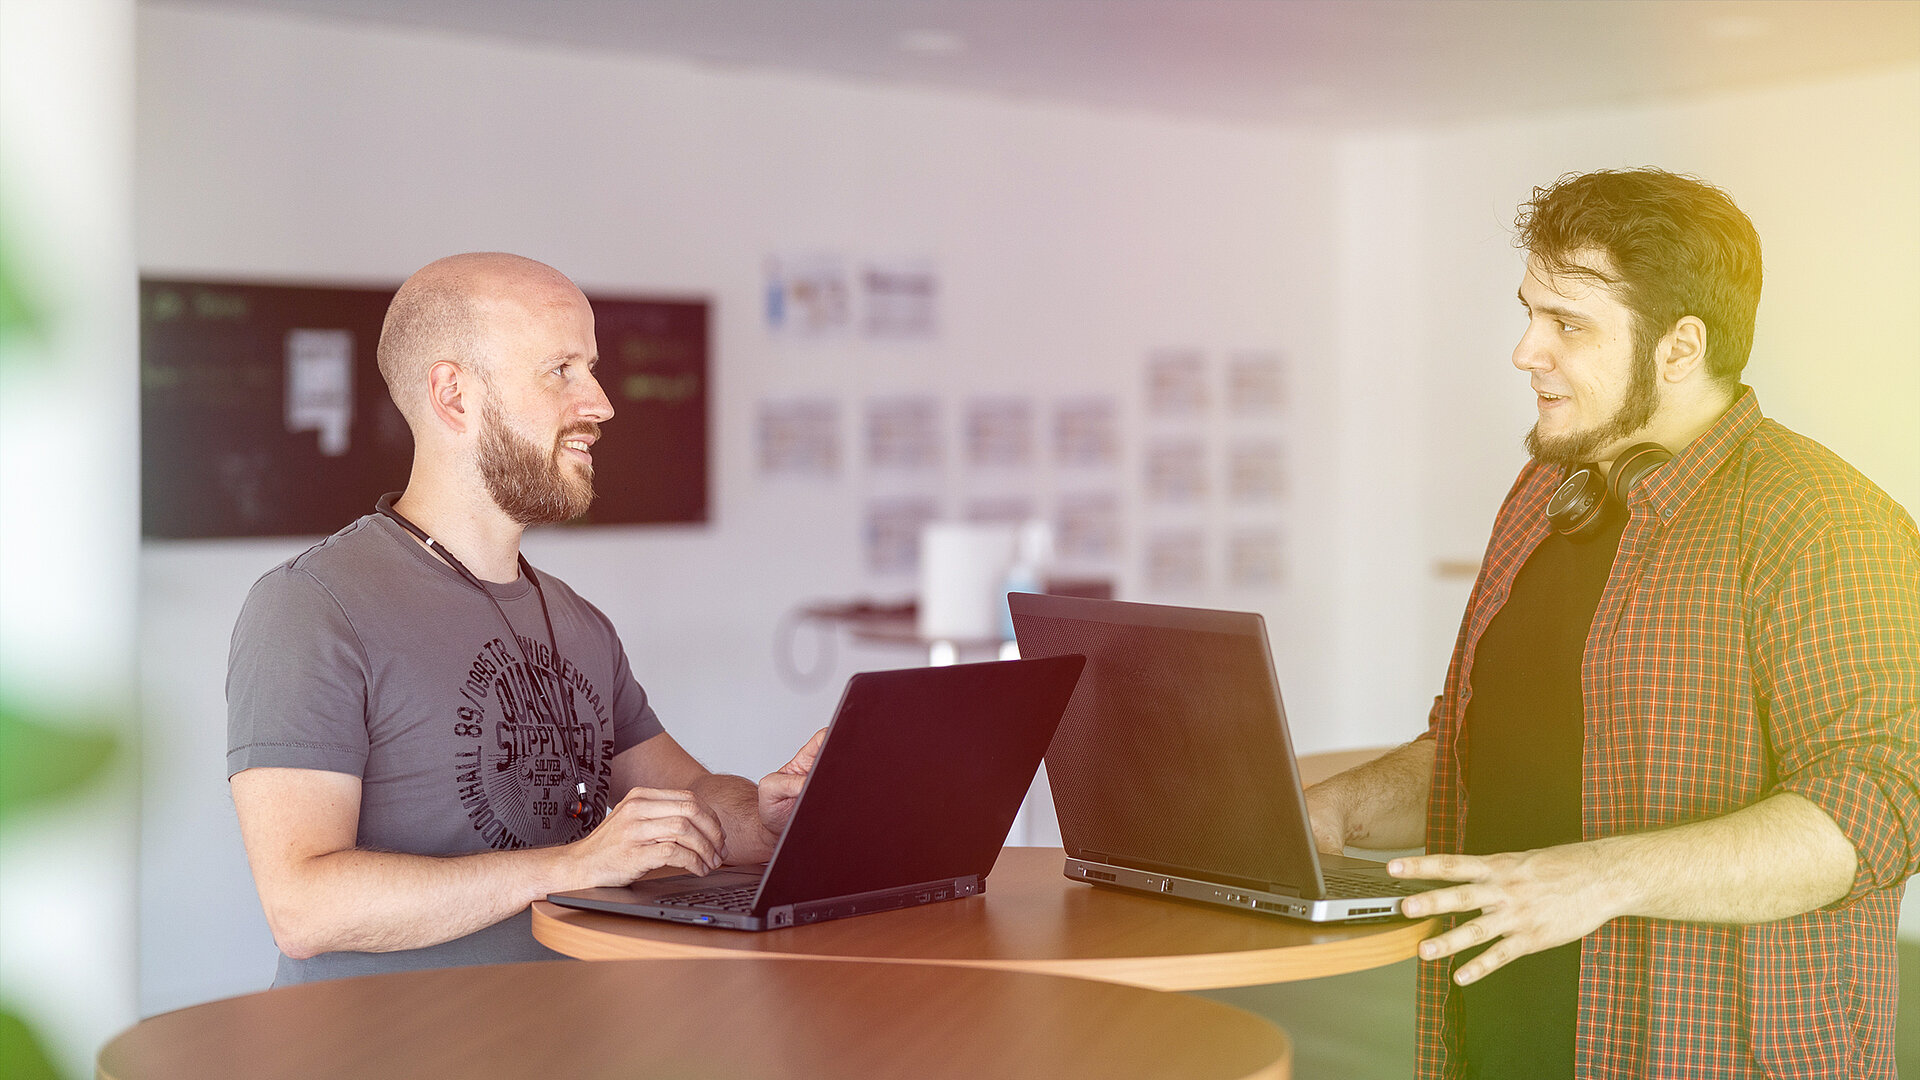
(561, 929)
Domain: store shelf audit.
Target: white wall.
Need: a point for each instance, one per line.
(1069, 243)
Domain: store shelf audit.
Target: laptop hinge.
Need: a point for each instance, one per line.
(1147, 866)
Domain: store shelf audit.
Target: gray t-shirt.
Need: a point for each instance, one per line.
(366, 655)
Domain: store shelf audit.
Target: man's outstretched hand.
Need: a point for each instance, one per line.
(780, 789)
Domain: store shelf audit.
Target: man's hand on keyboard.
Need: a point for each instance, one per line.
(651, 828)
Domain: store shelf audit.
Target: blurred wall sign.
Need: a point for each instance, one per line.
(320, 386)
(808, 295)
(904, 433)
(1177, 383)
(1256, 384)
(999, 432)
(1086, 432)
(900, 299)
(800, 437)
(263, 412)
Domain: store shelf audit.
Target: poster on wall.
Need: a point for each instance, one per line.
(800, 438)
(1176, 383)
(893, 529)
(1254, 559)
(904, 433)
(1176, 471)
(1256, 384)
(1255, 473)
(1086, 433)
(263, 412)
(999, 510)
(1176, 560)
(999, 433)
(807, 295)
(1087, 526)
(900, 298)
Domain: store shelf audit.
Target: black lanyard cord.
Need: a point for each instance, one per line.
(385, 506)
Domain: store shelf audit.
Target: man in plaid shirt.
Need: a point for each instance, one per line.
(1675, 770)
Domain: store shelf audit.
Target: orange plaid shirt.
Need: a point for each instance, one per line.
(1759, 633)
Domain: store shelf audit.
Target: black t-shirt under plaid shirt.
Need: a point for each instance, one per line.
(1524, 733)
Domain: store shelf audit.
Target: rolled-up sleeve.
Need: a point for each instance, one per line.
(1837, 672)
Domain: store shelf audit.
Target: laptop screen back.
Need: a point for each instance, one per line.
(921, 776)
(1173, 755)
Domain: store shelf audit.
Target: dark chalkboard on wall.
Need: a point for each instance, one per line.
(263, 412)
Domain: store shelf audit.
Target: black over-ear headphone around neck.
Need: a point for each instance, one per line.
(1587, 498)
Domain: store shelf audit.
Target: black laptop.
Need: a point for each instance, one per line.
(909, 802)
(1173, 772)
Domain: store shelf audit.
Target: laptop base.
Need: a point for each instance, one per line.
(645, 898)
(1332, 910)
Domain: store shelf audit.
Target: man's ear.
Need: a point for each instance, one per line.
(1683, 351)
(451, 390)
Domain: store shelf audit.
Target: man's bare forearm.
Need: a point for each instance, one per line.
(379, 901)
(323, 893)
(1381, 804)
(1779, 857)
(735, 801)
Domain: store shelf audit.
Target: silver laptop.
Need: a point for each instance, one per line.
(909, 802)
(1173, 772)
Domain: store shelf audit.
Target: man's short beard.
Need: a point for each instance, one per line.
(530, 485)
(1581, 447)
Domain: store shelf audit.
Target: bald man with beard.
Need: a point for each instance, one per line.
(425, 733)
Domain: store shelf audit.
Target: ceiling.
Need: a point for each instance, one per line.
(1344, 63)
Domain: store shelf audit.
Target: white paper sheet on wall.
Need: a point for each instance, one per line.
(893, 529)
(320, 386)
(999, 433)
(900, 298)
(808, 295)
(1087, 526)
(1176, 560)
(1086, 433)
(1256, 384)
(1177, 383)
(1255, 559)
(999, 509)
(800, 438)
(1176, 471)
(1256, 472)
(904, 433)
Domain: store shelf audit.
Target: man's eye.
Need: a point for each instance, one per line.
(1567, 328)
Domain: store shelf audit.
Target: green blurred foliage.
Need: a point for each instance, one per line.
(36, 761)
(21, 1055)
(19, 313)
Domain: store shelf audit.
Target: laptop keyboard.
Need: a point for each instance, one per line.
(738, 898)
(1343, 885)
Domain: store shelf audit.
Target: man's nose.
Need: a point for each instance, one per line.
(1531, 354)
(597, 407)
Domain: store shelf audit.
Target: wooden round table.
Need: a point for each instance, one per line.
(702, 1018)
(1031, 918)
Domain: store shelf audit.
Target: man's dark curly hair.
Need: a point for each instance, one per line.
(1674, 246)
